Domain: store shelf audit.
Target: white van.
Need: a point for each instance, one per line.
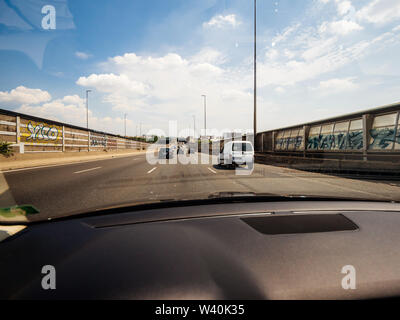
(237, 153)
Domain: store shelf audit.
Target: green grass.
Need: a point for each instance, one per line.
(5, 148)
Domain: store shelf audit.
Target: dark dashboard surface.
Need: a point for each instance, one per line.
(211, 252)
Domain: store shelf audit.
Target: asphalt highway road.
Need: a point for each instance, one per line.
(60, 190)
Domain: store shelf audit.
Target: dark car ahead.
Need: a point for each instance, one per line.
(164, 153)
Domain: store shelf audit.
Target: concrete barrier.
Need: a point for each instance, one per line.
(384, 168)
(30, 134)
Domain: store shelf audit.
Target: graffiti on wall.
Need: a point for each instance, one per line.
(280, 144)
(111, 143)
(293, 143)
(98, 141)
(341, 141)
(41, 132)
(355, 140)
(383, 138)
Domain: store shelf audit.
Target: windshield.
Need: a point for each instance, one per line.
(128, 102)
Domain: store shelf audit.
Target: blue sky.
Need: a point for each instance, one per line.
(153, 60)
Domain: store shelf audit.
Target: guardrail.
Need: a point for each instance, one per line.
(30, 134)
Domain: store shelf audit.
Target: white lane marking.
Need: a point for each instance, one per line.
(150, 171)
(212, 170)
(86, 170)
(64, 164)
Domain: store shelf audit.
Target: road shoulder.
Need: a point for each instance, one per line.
(42, 160)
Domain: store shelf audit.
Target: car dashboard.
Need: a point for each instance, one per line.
(262, 250)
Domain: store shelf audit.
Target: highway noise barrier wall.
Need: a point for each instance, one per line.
(29, 134)
(365, 141)
(371, 134)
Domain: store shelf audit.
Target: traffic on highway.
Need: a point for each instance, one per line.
(199, 150)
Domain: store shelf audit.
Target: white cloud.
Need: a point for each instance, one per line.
(291, 72)
(22, 95)
(340, 27)
(344, 7)
(289, 54)
(221, 21)
(72, 110)
(82, 55)
(280, 90)
(272, 54)
(171, 86)
(314, 53)
(380, 11)
(336, 85)
(209, 55)
(73, 100)
(165, 78)
(319, 47)
(232, 94)
(281, 37)
(112, 83)
(122, 92)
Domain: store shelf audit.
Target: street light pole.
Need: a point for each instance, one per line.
(255, 71)
(205, 114)
(125, 123)
(87, 108)
(194, 126)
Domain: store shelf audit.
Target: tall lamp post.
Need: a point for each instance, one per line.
(87, 108)
(125, 123)
(255, 71)
(205, 114)
(194, 126)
